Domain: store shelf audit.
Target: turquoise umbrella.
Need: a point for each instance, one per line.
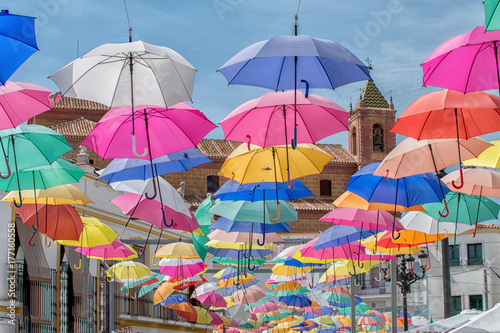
(359, 308)
(247, 211)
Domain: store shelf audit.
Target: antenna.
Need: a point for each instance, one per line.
(128, 20)
(296, 25)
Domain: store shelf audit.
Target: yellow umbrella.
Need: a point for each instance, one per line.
(203, 317)
(94, 233)
(326, 320)
(344, 320)
(67, 194)
(177, 250)
(349, 199)
(270, 164)
(413, 237)
(289, 322)
(281, 269)
(128, 270)
(490, 157)
(371, 244)
(235, 280)
(219, 274)
(162, 292)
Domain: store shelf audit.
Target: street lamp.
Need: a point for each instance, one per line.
(406, 276)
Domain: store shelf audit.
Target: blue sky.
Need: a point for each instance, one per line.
(397, 35)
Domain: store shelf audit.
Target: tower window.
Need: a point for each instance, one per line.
(378, 138)
(354, 142)
(325, 187)
(212, 183)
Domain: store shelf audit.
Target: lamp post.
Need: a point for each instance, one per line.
(405, 277)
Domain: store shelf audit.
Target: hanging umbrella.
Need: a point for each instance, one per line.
(247, 211)
(204, 219)
(181, 123)
(21, 101)
(262, 190)
(269, 120)
(66, 194)
(341, 234)
(360, 218)
(177, 250)
(349, 199)
(467, 62)
(131, 168)
(17, 42)
(114, 251)
(480, 181)
(181, 268)
(419, 221)
(489, 158)
(243, 237)
(212, 298)
(205, 288)
(162, 292)
(491, 13)
(227, 225)
(298, 301)
(359, 308)
(389, 247)
(410, 238)
(251, 294)
(128, 271)
(172, 299)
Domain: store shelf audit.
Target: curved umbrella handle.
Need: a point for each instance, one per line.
(165, 221)
(79, 265)
(85, 274)
(141, 251)
(461, 181)
(362, 264)
(109, 279)
(8, 170)
(153, 261)
(307, 87)
(394, 230)
(446, 208)
(386, 175)
(134, 150)
(154, 193)
(135, 295)
(31, 238)
(248, 143)
(379, 276)
(294, 140)
(325, 283)
(277, 218)
(475, 230)
(263, 237)
(232, 177)
(49, 244)
(311, 285)
(37, 224)
(249, 253)
(354, 268)
(20, 200)
(290, 183)
(250, 267)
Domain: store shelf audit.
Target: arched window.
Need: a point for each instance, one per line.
(378, 138)
(325, 187)
(354, 141)
(212, 183)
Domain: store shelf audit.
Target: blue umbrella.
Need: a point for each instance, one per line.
(121, 169)
(331, 284)
(231, 289)
(237, 226)
(406, 191)
(262, 191)
(173, 299)
(296, 263)
(341, 234)
(299, 301)
(235, 254)
(17, 42)
(340, 300)
(323, 309)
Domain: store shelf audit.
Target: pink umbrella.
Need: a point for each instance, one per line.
(222, 235)
(158, 131)
(212, 298)
(269, 120)
(345, 251)
(360, 218)
(266, 307)
(249, 295)
(150, 211)
(216, 319)
(181, 268)
(21, 101)
(465, 63)
(114, 251)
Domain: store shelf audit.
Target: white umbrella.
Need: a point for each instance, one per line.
(169, 195)
(422, 222)
(205, 288)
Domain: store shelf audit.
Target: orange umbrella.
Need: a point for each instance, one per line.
(349, 199)
(163, 291)
(409, 237)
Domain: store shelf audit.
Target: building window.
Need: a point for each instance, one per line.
(378, 138)
(212, 183)
(354, 142)
(474, 254)
(456, 305)
(476, 302)
(325, 187)
(454, 255)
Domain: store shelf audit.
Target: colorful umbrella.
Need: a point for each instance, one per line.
(227, 225)
(243, 236)
(419, 221)
(248, 211)
(349, 199)
(114, 251)
(162, 292)
(178, 250)
(492, 21)
(489, 158)
(249, 295)
(212, 298)
(262, 191)
(66, 194)
(17, 42)
(480, 181)
(390, 247)
(360, 218)
(410, 238)
(21, 101)
(128, 271)
(467, 62)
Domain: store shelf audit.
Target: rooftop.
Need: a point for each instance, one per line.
(372, 97)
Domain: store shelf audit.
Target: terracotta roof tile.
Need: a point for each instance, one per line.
(78, 127)
(217, 148)
(372, 97)
(70, 103)
(339, 153)
(487, 226)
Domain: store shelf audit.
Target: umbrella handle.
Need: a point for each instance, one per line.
(362, 264)
(165, 221)
(393, 232)
(154, 193)
(325, 283)
(446, 208)
(294, 140)
(291, 182)
(250, 267)
(264, 237)
(108, 279)
(354, 267)
(31, 238)
(274, 219)
(307, 87)
(153, 261)
(8, 169)
(461, 181)
(79, 265)
(37, 224)
(475, 230)
(135, 295)
(134, 150)
(379, 276)
(85, 274)
(248, 143)
(386, 175)
(385, 274)
(20, 200)
(49, 244)
(232, 178)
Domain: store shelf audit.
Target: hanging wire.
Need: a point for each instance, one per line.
(126, 12)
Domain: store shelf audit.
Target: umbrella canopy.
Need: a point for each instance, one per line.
(181, 268)
(411, 156)
(489, 158)
(172, 299)
(21, 101)
(184, 125)
(389, 247)
(298, 301)
(249, 295)
(162, 292)
(243, 236)
(269, 120)
(227, 225)
(272, 165)
(177, 250)
(205, 288)
(128, 270)
(94, 233)
(248, 211)
(360, 218)
(121, 169)
(465, 62)
(114, 251)
(271, 64)
(349, 199)
(328, 254)
(66, 194)
(410, 238)
(17, 42)
(419, 221)
(491, 12)
(61, 222)
(262, 191)
(212, 298)
(105, 75)
(476, 182)
(341, 234)
(359, 308)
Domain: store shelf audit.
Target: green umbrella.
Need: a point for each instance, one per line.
(204, 218)
(360, 308)
(242, 262)
(247, 211)
(286, 292)
(263, 300)
(492, 14)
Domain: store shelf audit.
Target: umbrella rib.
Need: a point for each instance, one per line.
(326, 72)
(472, 64)
(239, 71)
